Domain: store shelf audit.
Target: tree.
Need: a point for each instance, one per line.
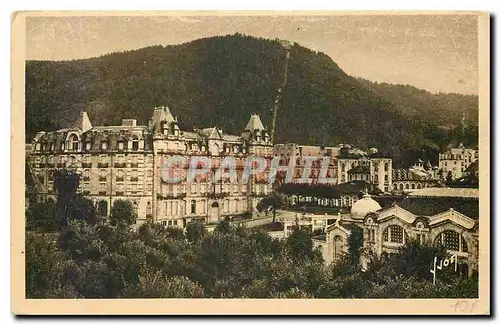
(449, 177)
(45, 265)
(224, 226)
(123, 213)
(195, 231)
(82, 241)
(43, 216)
(66, 184)
(153, 284)
(299, 244)
(355, 245)
(79, 208)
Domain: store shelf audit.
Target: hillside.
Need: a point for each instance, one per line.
(221, 81)
(445, 110)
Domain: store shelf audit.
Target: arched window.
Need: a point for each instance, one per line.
(452, 241)
(104, 145)
(135, 144)
(401, 187)
(193, 207)
(136, 208)
(407, 186)
(337, 247)
(74, 142)
(394, 234)
(413, 186)
(102, 208)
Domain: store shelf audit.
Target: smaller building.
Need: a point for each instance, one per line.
(444, 216)
(455, 161)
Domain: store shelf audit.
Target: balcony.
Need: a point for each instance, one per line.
(216, 195)
(171, 196)
(103, 165)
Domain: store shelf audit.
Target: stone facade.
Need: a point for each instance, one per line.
(126, 162)
(385, 230)
(456, 161)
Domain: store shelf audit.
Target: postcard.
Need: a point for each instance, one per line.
(248, 162)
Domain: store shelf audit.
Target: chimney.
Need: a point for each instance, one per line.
(129, 122)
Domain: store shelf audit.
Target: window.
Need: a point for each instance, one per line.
(102, 175)
(104, 145)
(135, 144)
(453, 241)
(121, 145)
(102, 208)
(421, 238)
(337, 247)
(74, 142)
(394, 234)
(193, 207)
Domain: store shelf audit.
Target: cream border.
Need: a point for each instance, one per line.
(20, 305)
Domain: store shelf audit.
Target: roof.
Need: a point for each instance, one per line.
(446, 192)
(430, 206)
(359, 170)
(354, 187)
(160, 115)
(401, 174)
(254, 123)
(380, 154)
(473, 167)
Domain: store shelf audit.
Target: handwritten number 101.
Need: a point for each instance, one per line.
(463, 305)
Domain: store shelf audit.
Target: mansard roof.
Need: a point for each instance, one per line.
(450, 215)
(254, 124)
(160, 115)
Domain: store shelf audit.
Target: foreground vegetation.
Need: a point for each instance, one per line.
(70, 253)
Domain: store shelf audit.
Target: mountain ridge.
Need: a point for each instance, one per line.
(222, 80)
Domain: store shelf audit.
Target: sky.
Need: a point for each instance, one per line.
(435, 53)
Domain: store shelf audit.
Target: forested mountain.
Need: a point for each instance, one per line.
(222, 80)
(442, 109)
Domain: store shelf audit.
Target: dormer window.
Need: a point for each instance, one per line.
(88, 145)
(164, 128)
(121, 145)
(135, 144)
(74, 142)
(104, 145)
